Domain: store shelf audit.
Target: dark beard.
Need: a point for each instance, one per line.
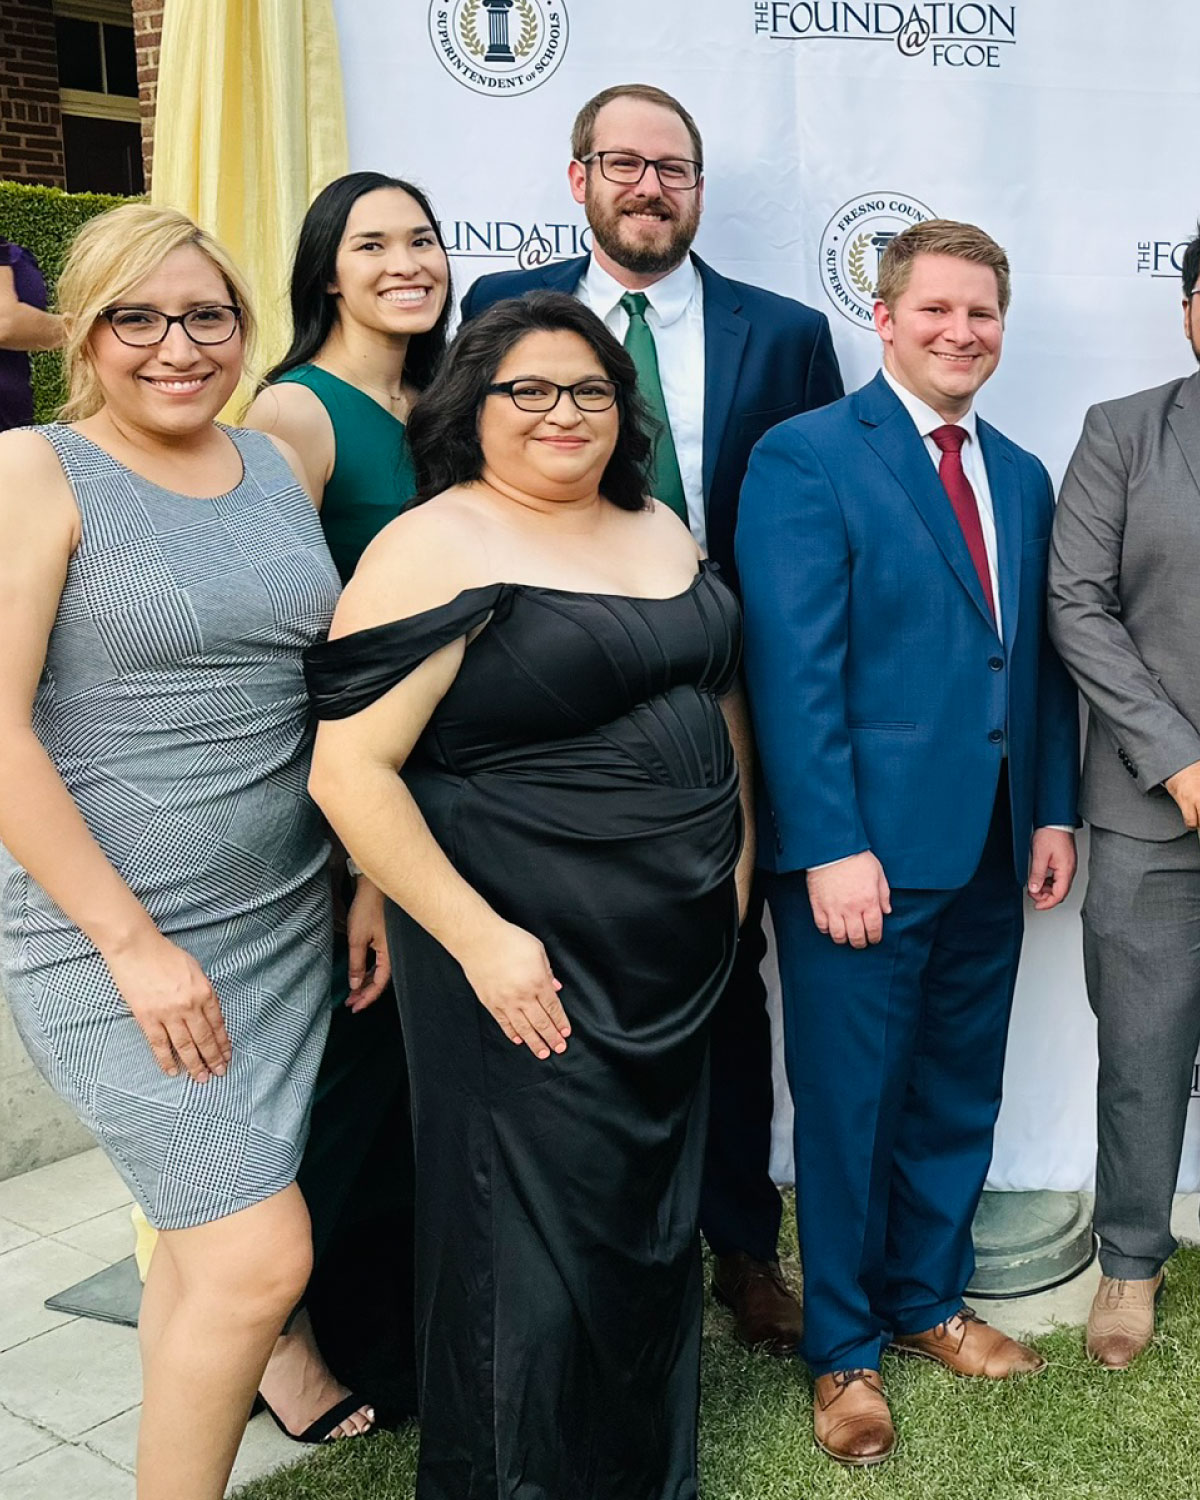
(644, 260)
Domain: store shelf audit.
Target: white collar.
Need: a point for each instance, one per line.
(926, 419)
(669, 297)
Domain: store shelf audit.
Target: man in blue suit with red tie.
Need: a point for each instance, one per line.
(918, 740)
(719, 362)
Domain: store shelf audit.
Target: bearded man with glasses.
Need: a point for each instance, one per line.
(719, 362)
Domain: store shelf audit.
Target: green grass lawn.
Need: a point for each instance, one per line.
(1074, 1433)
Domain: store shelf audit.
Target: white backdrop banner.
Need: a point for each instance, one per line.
(1063, 127)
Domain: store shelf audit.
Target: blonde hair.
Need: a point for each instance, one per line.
(111, 255)
(940, 237)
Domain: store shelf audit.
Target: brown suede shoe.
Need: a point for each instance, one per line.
(764, 1307)
(969, 1346)
(1121, 1322)
(851, 1420)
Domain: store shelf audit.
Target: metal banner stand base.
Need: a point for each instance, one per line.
(112, 1295)
(1029, 1242)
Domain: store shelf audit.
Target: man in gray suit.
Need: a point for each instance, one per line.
(1125, 616)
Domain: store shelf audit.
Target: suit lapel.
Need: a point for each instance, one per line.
(725, 334)
(1184, 421)
(891, 432)
(1005, 485)
(563, 275)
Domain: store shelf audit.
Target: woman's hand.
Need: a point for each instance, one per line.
(365, 931)
(509, 971)
(174, 1004)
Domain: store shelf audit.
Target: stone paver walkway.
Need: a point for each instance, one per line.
(69, 1387)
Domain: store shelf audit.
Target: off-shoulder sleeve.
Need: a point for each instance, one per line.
(347, 675)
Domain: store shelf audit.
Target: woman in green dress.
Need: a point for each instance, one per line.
(370, 299)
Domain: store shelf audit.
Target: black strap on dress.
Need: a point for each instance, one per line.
(349, 674)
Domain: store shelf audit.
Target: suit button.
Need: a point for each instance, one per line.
(996, 663)
(995, 735)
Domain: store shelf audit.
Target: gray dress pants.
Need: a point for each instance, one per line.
(1141, 948)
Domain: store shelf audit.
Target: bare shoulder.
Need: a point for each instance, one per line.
(424, 558)
(282, 405)
(32, 482)
(671, 533)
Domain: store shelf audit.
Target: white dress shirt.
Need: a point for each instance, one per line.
(675, 314)
(927, 420)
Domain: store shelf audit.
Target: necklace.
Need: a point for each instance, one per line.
(376, 392)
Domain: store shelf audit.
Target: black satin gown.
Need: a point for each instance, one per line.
(579, 775)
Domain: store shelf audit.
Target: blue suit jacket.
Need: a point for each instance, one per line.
(766, 357)
(880, 692)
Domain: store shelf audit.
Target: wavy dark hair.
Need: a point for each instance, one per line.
(1191, 265)
(443, 428)
(314, 308)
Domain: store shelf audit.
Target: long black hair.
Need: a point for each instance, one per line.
(314, 307)
(443, 427)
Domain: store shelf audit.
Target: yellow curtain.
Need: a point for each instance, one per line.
(250, 124)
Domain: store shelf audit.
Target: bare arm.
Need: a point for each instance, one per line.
(292, 413)
(354, 780)
(40, 824)
(22, 326)
(737, 720)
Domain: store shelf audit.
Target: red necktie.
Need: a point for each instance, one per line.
(962, 497)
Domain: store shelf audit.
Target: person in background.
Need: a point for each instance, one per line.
(719, 362)
(370, 297)
(919, 744)
(1125, 616)
(165, 923)
(540, 652)
(25, 325)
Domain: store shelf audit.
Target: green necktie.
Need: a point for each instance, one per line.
(666, 482)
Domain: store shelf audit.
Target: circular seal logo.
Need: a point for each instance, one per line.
(853, 241)
(499, 47)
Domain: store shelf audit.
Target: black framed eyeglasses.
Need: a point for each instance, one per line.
(142, 327)
(627, 168)
(544, 395)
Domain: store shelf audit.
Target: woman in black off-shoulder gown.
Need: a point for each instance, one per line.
(579, 775)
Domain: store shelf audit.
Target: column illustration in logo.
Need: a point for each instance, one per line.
(499, 46)
(849, 270)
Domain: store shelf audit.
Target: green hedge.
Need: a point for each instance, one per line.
(44, 220)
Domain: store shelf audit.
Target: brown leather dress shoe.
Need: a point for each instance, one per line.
(851, 1420)
(765, 1309)
(1121, 1322)
(969, 1346)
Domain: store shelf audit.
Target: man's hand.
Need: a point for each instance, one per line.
(1184, 786)
(1051, 866)
(850, 899)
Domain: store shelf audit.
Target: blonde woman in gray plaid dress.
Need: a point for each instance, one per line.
(164, 907)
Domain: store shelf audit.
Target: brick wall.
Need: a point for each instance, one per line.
(31, 147)
(147, 37)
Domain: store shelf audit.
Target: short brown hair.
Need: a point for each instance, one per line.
(585, 120)
(940, 237)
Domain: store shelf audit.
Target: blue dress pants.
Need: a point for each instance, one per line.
(895, 1054)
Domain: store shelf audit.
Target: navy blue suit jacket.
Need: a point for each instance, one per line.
(766, 357)
(882, 696)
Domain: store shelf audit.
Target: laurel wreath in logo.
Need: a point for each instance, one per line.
(856, 258)
(469, 31)
(529, 28)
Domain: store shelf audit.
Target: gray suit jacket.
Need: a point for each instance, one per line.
(1125, 602)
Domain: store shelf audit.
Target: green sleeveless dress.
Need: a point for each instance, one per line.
(373, 478)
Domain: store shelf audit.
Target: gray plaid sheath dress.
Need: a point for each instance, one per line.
(173, 706)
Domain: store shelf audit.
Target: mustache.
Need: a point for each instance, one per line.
(650, 205)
